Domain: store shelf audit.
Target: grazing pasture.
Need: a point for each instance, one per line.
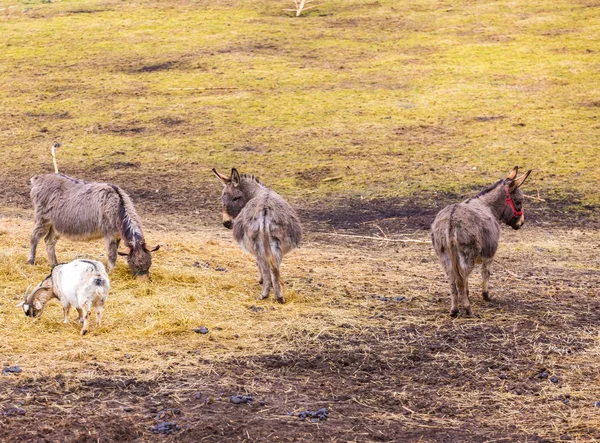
(368, 117)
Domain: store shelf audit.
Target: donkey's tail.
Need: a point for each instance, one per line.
(128, 221)
(266, 237)
(459, 278)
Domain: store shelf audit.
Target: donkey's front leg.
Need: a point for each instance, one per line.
(485, 276)
(112, 247)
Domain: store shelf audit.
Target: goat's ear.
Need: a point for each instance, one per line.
(20, 304)
(154, 249)
(520, 180)
(513, 173)
(235, 177)
(220, 177)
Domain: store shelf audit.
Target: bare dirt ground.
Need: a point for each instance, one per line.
(524, 368)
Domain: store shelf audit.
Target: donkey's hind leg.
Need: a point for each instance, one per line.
(51, 239)
(453, 300)
(263, 269)
(261, 279)
(40, 230)
(463, 287)
(276, 277)
(485, 278)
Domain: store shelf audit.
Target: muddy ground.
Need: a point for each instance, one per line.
(392, 378)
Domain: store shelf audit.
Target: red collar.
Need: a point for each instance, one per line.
(509, 202)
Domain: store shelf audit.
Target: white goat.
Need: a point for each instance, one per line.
(82, 284)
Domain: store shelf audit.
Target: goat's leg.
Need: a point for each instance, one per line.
(40, 229)
(485, 278)
(51, 239)
(66, 312)
(112, 247)
(85, 315)
(99, 310)
(80, 313)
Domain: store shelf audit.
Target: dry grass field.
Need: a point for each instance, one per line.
(368, 116)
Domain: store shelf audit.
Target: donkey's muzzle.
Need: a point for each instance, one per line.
(518, 222)
(228, 224)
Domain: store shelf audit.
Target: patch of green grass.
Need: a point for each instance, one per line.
(396, 96)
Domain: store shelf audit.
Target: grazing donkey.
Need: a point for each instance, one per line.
(79, 210)
(82, 284)
(467, 233)
(263, 223)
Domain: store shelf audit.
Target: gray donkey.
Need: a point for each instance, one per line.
(467, 233)
(263, 223)
(79, 210)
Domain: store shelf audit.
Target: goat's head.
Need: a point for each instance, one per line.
(34, 303)
(139, 260)
(513, 214)
(234, 196)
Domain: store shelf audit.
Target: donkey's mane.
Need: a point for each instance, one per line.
(489, 188)
(73, 180)
(130, 230)
(250, 177)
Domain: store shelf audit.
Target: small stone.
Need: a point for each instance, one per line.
(503, 376)
(554, 379)
(201, 330)
(220, 269)
(165, 427)
(12, 411)
(241, 399)
(543, 375)
(11, 370)
(597, 404)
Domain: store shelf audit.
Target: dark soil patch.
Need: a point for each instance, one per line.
(171, 192)
(414, 213)
(421, 382)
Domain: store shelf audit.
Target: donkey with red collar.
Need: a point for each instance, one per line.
(467, 233)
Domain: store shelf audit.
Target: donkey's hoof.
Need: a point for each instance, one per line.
(84, 331)
(486, 295)
(31, 262)
(453, 312)
(468, 312)
(281, 300)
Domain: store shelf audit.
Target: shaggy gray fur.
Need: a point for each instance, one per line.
(263, 223)
(83, 211)
(467, 233)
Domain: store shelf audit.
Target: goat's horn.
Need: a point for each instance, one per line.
(39, 288)
(27, 290)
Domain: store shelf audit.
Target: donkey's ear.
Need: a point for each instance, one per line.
(520, 180)
(220, 177)
(513, 173)
(235, 177)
